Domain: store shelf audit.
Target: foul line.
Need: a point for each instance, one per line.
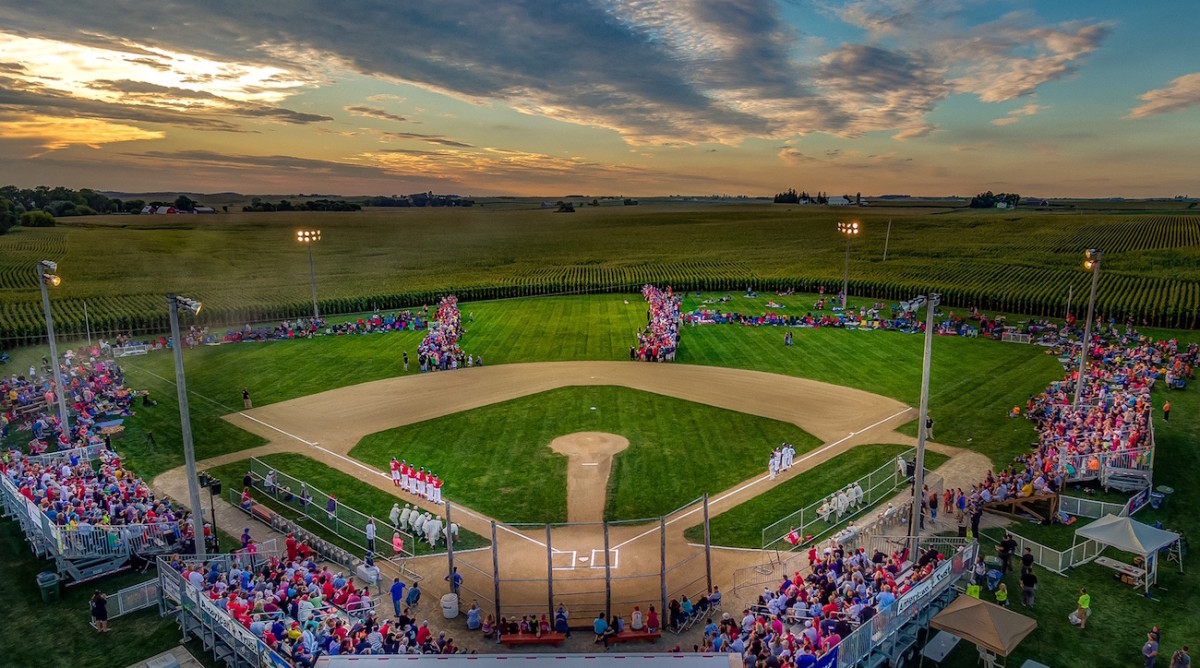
(754, 482)
(381, 474)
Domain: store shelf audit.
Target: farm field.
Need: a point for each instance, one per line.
(246, 267)
(497, 459)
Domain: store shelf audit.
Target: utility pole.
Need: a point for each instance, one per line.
(914, 527)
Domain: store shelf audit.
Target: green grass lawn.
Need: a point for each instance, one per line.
(350, 491)
(497, 460)
(742, 525)
(1120, 614)
(47, 635)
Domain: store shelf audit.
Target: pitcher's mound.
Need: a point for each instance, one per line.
(589, 446)
(589, 461)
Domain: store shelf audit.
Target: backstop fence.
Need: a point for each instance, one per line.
(590, 568)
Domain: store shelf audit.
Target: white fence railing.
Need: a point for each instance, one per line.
(816, 521)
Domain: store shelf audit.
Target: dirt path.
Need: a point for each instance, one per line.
(326, 426)
(589, 461)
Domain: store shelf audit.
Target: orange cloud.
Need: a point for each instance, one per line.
(59, 133)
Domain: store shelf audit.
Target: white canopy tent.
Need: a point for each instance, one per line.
(1129, 535)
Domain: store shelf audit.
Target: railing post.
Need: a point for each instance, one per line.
(662, 567)
(549, 574)
(607, 576)
(707, 547)
(450, 551)
(496, 570)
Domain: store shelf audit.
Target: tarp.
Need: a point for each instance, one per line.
(985, 624)
(1127, 535)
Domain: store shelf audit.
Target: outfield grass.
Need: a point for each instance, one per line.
(350, 491)
(742, 525)
(975, 382)
(497, 460)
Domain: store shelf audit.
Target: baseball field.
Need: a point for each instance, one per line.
(557, 392)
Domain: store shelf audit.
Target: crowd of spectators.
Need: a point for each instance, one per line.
(660, 338)
(877, 316)
(440, 351)
(302, 610)
(95, 393)
(82, 496)
(804, 617)
(1110, 425)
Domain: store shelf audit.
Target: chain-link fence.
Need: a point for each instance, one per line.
(589, 568)
(817, 519)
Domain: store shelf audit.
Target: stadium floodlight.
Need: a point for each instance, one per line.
(46, 269)
(850, 228)
(914, 526)
(175, 303)
(1091, 262)
(308, 238)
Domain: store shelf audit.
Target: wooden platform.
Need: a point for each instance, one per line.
(1039, 506)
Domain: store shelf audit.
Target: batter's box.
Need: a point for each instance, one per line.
(563, 560)
(614, 556)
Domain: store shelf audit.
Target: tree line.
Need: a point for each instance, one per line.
(988, 200)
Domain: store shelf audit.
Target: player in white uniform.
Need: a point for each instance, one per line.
(421, 482)
(437, 490)
(429, 486)
(405, 517)
(404, 474)
(773, 464)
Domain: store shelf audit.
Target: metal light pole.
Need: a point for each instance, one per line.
(185, 420)
(850, 229)
(308, 238)
(914, 531)
(1092, 262)
(887, 239)
(46, 276)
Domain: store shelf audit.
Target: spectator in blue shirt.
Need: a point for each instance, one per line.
(601, 628)
(397, 595)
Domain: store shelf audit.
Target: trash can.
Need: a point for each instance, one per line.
(48, 584)
(450, 606)
(1157, 499)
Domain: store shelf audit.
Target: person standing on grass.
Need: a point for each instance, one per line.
(1150, 650)
(1028, 586)
(406, 361)
(1180, 658)
(1166, 411)
(99, 605)
(1084, 607)
(246, 398)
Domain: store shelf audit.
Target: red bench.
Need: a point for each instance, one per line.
(262, 512)
(633, 636)
(514, 639)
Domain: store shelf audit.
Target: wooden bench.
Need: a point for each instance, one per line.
(514, 639)
(629, 635)
(262, 512)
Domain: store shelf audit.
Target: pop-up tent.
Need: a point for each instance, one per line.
(1129, 535)
(989, 626)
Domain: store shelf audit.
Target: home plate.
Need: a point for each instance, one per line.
(583, 559)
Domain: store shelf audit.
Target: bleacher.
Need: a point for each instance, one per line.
(91, 551)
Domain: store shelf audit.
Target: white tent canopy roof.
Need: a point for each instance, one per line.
(1127, 535)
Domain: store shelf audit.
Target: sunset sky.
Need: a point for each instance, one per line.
(636, 97)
